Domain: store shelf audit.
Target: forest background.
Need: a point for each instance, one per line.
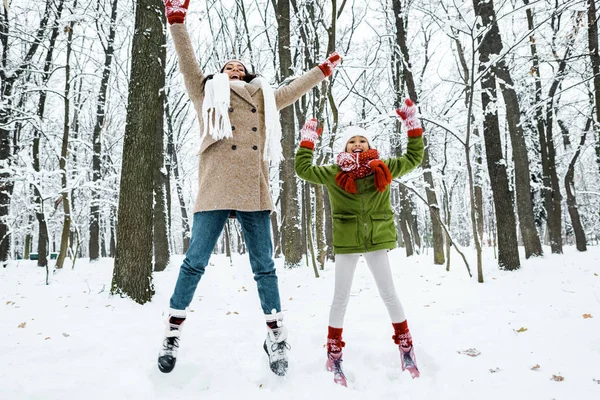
(98, 140)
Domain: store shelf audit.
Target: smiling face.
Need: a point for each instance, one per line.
(235, 70)
(357, 144)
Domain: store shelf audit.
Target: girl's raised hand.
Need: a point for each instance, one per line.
(408, 115)
(309, 134)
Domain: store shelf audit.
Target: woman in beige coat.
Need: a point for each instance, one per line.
(238, 115)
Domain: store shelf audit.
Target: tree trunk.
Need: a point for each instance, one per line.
(160, 218)
(401, 41)
(580, 241)
(531, 240)
(553, 194)
(291, 235)
(64, 153)
(97, 138)
(132, 274)
(320, 226)
(595, 59)
(276, 235)
(112, 251)
(174, 167)
(491, 44)
(7, 84)
(37, 136)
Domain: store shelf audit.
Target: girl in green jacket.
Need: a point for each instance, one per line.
(363, 223)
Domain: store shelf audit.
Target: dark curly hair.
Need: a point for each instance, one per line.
(247, 77)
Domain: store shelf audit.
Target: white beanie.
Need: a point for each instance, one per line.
(348, 134)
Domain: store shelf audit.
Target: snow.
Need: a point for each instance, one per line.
(78, 342)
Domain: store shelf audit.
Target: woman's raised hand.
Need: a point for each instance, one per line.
(328, 65)
(175, 10)
(310, 134)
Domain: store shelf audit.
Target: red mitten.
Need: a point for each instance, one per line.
(408, 115)
(310, 134)
(328, 65)
(175, 10)
(382, 175)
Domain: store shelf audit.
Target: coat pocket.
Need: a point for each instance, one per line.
(382, 228)
(345, 230)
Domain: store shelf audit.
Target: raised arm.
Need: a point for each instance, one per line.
(286, 95)
(193, 77)
(414, 150)
(304, 157)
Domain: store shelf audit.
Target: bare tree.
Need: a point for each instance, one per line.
(580, 240)
(401, 40)
(592, 24)
(132, 274)
(64, 153)
(9, 77)
(490, 44)
(94, 244)
(290, 207)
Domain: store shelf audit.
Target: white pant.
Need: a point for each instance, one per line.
(379, 264)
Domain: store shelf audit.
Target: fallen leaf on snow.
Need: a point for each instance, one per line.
(228, 312)
(291, 298)
(521, 330)
(535, 367)
(557, 378)
(472, 352)
(586, 316)
(236, 313)
(22, 325)
(493, 370)
(47, 338)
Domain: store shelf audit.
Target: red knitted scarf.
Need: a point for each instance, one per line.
(358, 165)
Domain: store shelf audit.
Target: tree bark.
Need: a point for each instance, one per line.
(491, 44)
(401, 41)
(291, 235)
(8, 78)
(595, 59)
(94, 244)
(531, 240)
(64, 153)
(580, 241)
(37, 137)
(174, 163)
(132, 274)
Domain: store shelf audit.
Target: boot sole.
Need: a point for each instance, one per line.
(166, 368)
(280, 367)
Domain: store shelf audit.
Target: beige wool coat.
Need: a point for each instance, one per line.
(231, 173)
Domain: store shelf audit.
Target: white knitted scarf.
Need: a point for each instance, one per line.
(215, 113)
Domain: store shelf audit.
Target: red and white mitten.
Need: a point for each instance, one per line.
(408, 115)
(175, 10)
(309, 134)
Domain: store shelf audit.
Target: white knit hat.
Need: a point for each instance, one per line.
(348, 134)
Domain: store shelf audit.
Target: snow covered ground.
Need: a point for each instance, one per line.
(537, 331)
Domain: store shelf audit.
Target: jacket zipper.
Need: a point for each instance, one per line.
(362, 199)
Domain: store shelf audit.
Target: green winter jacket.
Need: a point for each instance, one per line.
(362, 222)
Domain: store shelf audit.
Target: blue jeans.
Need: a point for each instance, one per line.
(256, 227)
